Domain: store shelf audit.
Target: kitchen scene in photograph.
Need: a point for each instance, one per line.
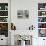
(3, 13)
(3, 6)
(41, 13)
(42, 32)
(42, 6)
(41, 19)
(22, 14)
(41, 25)
(3, 19)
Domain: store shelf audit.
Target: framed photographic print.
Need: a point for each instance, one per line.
(23, 14)
(42, 33)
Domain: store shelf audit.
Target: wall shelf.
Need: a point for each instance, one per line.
(41, 10)
(42, 16)
(41, 28)
(3, 10)
(3, 16)
(42, 19)
(3, 22)
(4, 19)
(41, 22)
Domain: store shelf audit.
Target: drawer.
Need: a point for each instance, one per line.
(3, 41)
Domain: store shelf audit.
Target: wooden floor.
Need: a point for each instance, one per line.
(3, 45)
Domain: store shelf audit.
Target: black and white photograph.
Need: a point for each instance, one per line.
(23, 14)
(41, 19)
(42, 32)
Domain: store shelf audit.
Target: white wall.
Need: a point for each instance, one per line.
(23, 24)
(32, 6)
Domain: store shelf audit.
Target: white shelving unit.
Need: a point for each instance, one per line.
(4, 18)
(42, 18)
(4, 23)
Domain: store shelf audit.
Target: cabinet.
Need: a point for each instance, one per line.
(3, 40)
(4, 21)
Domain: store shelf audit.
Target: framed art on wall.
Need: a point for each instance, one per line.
(22, 14)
